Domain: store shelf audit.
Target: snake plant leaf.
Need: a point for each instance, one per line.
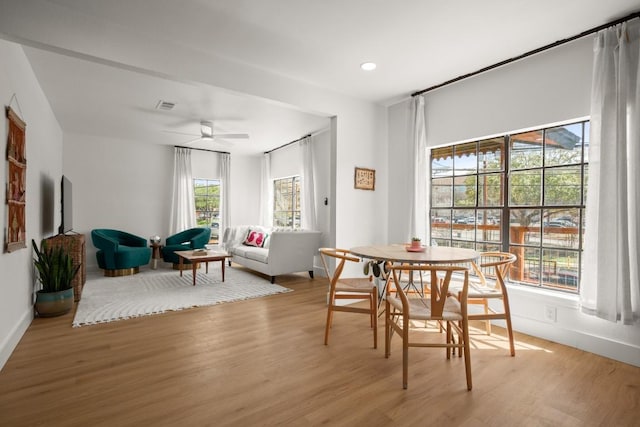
(376, 269)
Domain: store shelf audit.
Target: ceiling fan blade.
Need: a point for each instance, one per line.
(181, 133)
(231, 135)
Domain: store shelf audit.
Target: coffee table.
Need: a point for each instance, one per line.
(197, 256)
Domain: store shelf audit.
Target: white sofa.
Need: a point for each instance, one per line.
(286, 251)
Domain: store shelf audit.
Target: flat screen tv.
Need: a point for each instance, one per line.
(66, 206)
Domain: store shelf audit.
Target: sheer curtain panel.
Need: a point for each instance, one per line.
(224, 160)
(183, 210)
(308, 186)
(266, 195)
(419, 212)
(610, 286)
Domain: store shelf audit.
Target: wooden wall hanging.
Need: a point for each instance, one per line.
(364, 179)
(15, 232)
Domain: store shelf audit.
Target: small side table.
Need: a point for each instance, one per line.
(155, 254)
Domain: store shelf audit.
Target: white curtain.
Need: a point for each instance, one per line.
(183, 210)
(224, 160)
(419, 211)
(266, 195)
(307, 185)
(610, 286)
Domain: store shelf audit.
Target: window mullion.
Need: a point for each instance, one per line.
(506, 212)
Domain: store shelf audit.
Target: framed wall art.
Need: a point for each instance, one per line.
(15, 231)
(365, 179)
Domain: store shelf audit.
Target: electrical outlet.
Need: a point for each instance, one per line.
(550, 313)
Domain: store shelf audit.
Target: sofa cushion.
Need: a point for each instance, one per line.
(251, 252)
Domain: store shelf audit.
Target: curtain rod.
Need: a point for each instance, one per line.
(202, 149)
(288, 144)
(531, 52)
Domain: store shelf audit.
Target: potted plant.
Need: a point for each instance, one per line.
(55, 273)
(415, 243)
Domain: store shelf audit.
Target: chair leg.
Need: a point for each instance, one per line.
(405, 352)
(374, 316)
(371, 310)
(487, 323)
(449, 341)
(507, 318)
(387, 330)
(467, 353)
(329, 320)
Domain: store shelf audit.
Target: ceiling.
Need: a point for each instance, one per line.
(416, 44)
(91, 98)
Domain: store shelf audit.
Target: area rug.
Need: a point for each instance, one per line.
(106, 299)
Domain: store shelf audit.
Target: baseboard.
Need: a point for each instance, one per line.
(602, 346)
(12, 340)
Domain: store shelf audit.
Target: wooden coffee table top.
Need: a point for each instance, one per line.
(205, 255)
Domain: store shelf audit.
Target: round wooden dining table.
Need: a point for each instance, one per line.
(399, 253)
(429, 255)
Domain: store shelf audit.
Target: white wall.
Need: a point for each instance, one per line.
(549, 87)
(286, 162)
(44, 171)
(124, 185)
(322, 181)
(245, 190)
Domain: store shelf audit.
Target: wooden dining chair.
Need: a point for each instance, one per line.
(348, 289)
(402, 310)
(488, 283)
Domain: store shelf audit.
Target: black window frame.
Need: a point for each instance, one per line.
(291, 216)
(466, 218)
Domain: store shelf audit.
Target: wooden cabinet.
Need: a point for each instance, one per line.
(75, 246)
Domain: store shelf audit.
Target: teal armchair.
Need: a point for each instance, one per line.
(120, 253)
(193, 238)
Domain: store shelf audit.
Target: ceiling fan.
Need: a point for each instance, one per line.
(206, 133)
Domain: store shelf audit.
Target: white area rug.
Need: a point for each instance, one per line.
(105, 299)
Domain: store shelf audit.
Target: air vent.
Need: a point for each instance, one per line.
(165, 105)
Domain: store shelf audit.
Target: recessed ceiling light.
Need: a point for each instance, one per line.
(368, 66)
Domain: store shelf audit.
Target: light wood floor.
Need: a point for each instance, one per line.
(262, 362)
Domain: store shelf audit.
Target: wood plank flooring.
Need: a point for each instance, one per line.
(262, 362)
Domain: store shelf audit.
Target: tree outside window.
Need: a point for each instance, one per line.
(521, 193)
(207, 200)
(286, 202)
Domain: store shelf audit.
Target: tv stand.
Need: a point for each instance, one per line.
(75, 247)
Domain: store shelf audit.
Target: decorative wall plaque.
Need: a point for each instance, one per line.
(365, 179)
(15, 232)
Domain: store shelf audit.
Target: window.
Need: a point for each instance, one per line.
(522, 193)
(207, 199)
(286, 202)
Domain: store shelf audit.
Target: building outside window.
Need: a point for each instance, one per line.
(522, 193)
(286, 202)
(207, 200)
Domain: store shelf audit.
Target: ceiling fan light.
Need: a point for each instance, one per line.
(206, 129)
